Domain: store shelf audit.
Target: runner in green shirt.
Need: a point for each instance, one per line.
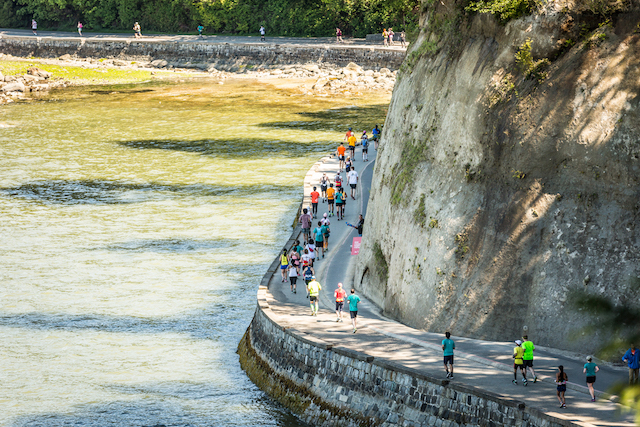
(448, 345)
(527, 357)
(353, 301)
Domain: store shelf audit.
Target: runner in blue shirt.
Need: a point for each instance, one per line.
(447, 347)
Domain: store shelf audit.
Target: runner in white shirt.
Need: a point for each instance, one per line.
(352, 177)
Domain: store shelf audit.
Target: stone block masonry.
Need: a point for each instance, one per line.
(330, 385)
(202, 54)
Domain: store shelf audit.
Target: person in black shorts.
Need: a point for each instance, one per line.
(324, 182)
(331, 199)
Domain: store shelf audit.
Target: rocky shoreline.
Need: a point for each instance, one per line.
(319, 79)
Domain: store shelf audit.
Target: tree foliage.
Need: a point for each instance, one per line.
(280, 17)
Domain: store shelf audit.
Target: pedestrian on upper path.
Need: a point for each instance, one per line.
(518, 363)
(200, 29)
(262, 33)
(339, 295)
(339, 36)
(403, 39)
(632, 357)
(314, 288)
(80, 28)
(448, 345)
(527, 357)
(590, 370)
(391, 34)
(385, 37)
(34, 27)
(137, 30)
(561, 385)
(353, 301)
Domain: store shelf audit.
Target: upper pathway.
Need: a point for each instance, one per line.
(295, 41)
(487, 365)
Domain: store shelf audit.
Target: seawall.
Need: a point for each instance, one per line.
(203, 54)
(332, 385)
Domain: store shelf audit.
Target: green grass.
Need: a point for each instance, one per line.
(78, 74)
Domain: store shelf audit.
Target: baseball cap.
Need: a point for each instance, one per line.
(518, 342)
(325, 215)
(313, 277)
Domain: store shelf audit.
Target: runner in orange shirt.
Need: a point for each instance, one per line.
(314, 202)
(341, 150)
(331, 198)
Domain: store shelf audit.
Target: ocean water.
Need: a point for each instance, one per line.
(136, 223)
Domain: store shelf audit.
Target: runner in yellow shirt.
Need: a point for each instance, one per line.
(314, 290)
(518, 363)
(352, 147)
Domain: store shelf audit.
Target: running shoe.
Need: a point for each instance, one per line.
(341, 320)
(355, 330)
(524, 382)
(593, 399)
(564, 405)
(535, 379)
(515, 382)
(338, 319)
(451, 377)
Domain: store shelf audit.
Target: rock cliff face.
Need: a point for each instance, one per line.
(501, 186)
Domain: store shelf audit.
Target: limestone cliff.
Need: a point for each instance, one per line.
(503, 184)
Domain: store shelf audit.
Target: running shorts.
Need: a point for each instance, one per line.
(562, 387)
(330, 201)
(528, 363)
(353, 185)
(591, 379)
(339, 305)
(353, 314)
(448, 359)
(313, 298)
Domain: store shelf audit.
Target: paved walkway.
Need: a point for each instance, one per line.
(484, 364)
(296, 41)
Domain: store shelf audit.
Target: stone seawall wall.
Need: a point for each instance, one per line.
(202, 54)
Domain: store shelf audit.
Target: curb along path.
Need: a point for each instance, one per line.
(481, 365)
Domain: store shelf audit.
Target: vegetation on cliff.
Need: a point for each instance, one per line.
(280, 17)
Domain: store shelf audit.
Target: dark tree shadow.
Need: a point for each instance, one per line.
(336, 119)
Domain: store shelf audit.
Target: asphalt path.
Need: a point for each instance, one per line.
(192, 38)
(484, 364)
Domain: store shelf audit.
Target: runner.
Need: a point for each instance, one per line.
(339, 294)
(308, 275)
(340, 203)
(365, 146)
(590, 369)
(284, 264)
(324, 183)
(137, 31)
(319, 236)
(338, 181)
(331, 198)
(527, 357)
(314, 290)
(352, 146)
(294, 259)
(341, 149)
(403, 39)
(447, 347)
(391, 34)
(306, 259)
(518, 363)
(200, 29)
(561, 383)
(353, 182)
(327, 231)
(293, 278)
(385, 37)
(376, 136)
(339, 36)
(305, 221)
(311, 247)
(262, 33)
(353, 301)
(80, 28)
(348, 165)
(314, 202)
(34, 27)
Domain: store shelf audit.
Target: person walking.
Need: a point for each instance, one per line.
(200, 29)
(391, 34)
(262, 33)
(137, 31)
(80, 28)
(403, 39)
(34, 27)
(314, 202)
(448, 345)
(632, 357)
(305, 221)
(561, 385)
(324, 184)
(353, 182)
(293, 278)
(326, 230)
(339, 36)
(590, 370)
(527, 357)
(284, 264)
(353, 301)
(331, 193)
(364, 140)
(314, 288)
(339, 295)
(319, 238)
(341, 150)
(385, 37)
(518, 363)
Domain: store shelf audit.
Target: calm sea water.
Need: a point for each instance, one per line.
(136, 223)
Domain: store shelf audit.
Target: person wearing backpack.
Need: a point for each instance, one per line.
(319, 237)
(365, 146)
(308, 276)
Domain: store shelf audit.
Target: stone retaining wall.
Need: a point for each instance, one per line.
(202, 54)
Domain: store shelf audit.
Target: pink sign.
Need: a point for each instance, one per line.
(355, 246)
